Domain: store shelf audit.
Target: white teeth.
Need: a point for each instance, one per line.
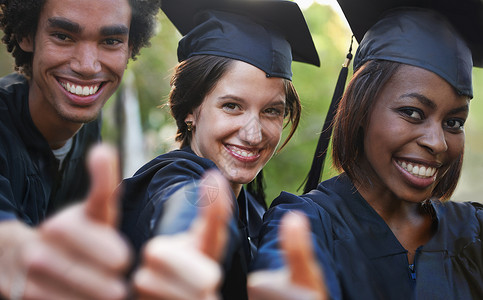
(418, 170)
(80, 90)
(415, 170)
(422, 171)
(243, 153)
(85, 91)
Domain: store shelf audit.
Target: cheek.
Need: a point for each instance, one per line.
(43, 60)
(213, 128)
(456, 146)
(272, 130)
(116, 63)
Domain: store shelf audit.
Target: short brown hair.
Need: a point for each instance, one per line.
(352, 115)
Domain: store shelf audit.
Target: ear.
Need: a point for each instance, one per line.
(27, 44)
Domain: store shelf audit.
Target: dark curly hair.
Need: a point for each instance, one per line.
(19, 19)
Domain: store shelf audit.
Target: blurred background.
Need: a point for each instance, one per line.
(138, 122)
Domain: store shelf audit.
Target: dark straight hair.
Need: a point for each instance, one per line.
(352, 116)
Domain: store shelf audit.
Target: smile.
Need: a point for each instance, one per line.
(419, 170)
(80, 90)
(243, 153)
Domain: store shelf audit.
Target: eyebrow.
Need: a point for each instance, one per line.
(68, 25)
(428, 102)
(236, 98)
(114, 30)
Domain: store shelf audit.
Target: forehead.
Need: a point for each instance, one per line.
(411, 80)
(89, 13)
(244, 78)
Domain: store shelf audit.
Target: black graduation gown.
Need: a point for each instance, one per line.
(31, 187)
(146, 195)
(361, 257)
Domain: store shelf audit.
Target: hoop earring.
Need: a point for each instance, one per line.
(189, 125)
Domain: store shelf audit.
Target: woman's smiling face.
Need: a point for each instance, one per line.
(414, 132)
(239, 123)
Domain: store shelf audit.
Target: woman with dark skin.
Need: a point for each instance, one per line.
(384, 228)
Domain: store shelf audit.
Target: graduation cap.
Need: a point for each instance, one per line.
(442, 36)
(268, 34)
(466, 16)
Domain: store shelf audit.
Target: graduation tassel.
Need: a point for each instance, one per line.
(315, 173)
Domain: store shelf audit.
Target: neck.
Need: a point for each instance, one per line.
(410, 222)
(236, 187)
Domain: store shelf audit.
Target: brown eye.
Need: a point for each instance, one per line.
(412, 113)
(61, 36)
(273, 112)
(112, 42)
(230, 106)
(454, 124)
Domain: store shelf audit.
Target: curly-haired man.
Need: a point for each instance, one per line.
(70, 57)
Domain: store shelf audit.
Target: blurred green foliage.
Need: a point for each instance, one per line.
(287, 170)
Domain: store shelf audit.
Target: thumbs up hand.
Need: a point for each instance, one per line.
(186, 265)
(301, 278)
(76, 254)
(102, 202)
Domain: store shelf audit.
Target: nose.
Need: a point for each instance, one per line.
(251, 132)
(85, 61)
(433, 139)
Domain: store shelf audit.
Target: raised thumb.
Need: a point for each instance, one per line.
(102, 202)
(212, 224)
(299, 256)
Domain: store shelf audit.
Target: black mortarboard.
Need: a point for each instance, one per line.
(422, 38)
(268, 34)
(443, 36)
(465, 15)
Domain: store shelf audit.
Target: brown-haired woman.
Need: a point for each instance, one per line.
(231, 97)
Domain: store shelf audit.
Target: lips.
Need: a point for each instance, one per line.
(80, 90)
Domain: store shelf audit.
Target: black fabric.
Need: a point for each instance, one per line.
(267, 34)
(421, 38)
(172, 177)
(31, 187)
(465, 15)
(362, 259)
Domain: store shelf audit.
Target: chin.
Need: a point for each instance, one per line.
(81, 118)
(241, 179)
(239, 176)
